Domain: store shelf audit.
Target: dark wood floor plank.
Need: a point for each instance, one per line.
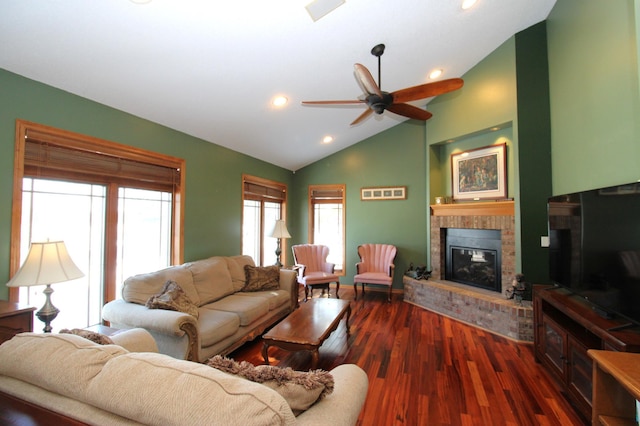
(425, 368)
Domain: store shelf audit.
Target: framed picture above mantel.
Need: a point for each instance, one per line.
(480, 174)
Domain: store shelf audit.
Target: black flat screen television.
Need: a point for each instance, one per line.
(594, 248)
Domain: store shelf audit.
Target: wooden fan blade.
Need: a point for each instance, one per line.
(362, 116)
(410, 111)
(427, 90)
(353, 102)
(366, 81)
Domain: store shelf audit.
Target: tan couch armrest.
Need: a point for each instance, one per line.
(289, 282)
(133, 315)
(342, 407)
(135, 340)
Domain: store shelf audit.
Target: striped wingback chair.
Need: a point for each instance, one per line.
(375, 266)
(313, 268)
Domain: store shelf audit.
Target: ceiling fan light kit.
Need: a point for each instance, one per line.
(379, 101)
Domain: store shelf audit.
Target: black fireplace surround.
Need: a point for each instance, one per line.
(473, 257)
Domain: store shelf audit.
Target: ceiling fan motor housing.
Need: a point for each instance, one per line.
(379, 103)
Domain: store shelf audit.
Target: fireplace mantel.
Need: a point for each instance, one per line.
(490, 208)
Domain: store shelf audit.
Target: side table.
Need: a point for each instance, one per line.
(14, 319)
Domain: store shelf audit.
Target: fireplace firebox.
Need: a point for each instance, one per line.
(473, 257)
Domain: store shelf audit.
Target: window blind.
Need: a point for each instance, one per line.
(51, 159)
(257, 190)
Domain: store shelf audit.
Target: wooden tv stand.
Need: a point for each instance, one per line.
(566, 327)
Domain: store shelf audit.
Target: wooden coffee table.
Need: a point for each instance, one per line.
(307, 327)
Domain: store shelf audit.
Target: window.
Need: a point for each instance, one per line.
(117, 208)
(326, 221)
(264, 202)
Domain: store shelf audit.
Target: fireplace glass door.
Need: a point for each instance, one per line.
(473, 258)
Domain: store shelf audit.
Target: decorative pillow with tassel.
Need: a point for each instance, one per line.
(98, 338)
(173, 298)
(300, 389)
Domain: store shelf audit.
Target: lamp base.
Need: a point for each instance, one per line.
(278, 253)
(48, 312)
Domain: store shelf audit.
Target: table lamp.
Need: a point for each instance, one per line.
(47, 263)
(279, 232)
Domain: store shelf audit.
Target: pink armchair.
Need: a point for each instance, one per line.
(313, 268)
(375, 266)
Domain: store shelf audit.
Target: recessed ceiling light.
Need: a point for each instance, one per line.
(327, 139)
(468, 4)
(279, 101)
(435, 74)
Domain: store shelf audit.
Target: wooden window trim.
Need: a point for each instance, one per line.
(272, 192)
(54, 136)
(328, 195)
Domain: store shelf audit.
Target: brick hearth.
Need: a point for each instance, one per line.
(489, 310)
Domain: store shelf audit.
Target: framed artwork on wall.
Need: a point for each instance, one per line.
(384, 193)
(480, 174)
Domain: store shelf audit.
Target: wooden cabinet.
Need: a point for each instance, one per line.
(566, 328)
(14, 319)
(616, 387)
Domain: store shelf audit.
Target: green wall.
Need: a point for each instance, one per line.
(534, 150)
(395, 157)
(595, 102)
(213, 173)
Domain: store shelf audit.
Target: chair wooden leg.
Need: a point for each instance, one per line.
(355, 290)
(389, 296)
(306, 293)
(337, 289)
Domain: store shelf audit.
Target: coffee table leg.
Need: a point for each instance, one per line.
(347, 320)
(265, 352)
(315, 357)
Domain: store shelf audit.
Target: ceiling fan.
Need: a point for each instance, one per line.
(378, 101)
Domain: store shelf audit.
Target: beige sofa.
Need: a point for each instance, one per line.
(66, 379)
(226, 316)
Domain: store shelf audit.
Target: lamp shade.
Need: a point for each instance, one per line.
(280, 230)
(46, 263)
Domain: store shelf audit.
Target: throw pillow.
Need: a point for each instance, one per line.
(173, 298)
(261, 278)
(300, 389)
(98, 338)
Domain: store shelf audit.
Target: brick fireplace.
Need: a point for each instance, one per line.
(496, 215)
(484, 308)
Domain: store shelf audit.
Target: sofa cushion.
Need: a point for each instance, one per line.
(275, 298)
(236, 266)
(260, 278)
(70, 365)
(165, 391)
(215, 326)
(211, 279)
(248, 309)
(299, 389)
(139, 288)
(173, 298)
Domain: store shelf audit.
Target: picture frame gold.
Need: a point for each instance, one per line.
(480, 174)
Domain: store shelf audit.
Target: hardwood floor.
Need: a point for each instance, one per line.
(424, 369)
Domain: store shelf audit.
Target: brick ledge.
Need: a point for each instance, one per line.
(477, 307)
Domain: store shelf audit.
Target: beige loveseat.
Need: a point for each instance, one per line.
(226, 316)
(65, 379)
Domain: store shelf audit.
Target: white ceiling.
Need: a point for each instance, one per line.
(209, 68)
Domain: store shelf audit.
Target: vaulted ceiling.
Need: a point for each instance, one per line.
(211, 68)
